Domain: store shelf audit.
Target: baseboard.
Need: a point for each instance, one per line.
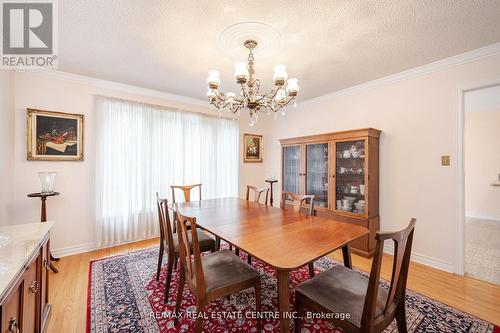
(419, 258)
(70, 250)
(425, 260)
(89, 247)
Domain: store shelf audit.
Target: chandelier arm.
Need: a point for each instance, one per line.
(236, 109)
(220, 96)
(245, 94)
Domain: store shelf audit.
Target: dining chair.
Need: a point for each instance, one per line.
(212, 276)
(371, 307)
(171, 243)
(298, 203)
(257, 193)
(186, 189)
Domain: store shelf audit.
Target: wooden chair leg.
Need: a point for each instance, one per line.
(180, 291)
(217, 243)
(200, 306)
(346, 254)
(401, 318)
(249, 259)
(170, 266)
(299, 309)
(258, 304)
(237, 251)
(160, 260)
(230, 247)
(311, 269)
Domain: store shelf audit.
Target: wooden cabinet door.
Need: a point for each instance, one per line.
(12, 311)
(292, 169)
(351, 169)
(316, 172)
(43, 272)
(31, 292)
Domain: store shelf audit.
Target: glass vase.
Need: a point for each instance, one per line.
(47, 180)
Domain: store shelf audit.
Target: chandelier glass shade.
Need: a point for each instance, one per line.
(250, 98)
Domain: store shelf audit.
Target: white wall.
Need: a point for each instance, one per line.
(6, 143)
(73, 210)
(482, 163)
(418, 119)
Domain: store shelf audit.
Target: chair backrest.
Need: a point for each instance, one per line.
(298, 201)
(402, 250)
(257, 193)
(186, 189)
(164, 220)
(192, 268)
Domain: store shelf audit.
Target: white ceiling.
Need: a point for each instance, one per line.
(329, 45)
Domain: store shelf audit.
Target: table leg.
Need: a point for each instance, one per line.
(284, 300)
(346, 253)
(43, 211)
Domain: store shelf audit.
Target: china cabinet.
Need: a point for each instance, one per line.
(342, 170)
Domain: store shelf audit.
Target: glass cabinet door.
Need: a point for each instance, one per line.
(291, 169)
(317, 173)
(350, 186)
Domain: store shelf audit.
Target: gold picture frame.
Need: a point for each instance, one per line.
(253, 148)
(54, 136)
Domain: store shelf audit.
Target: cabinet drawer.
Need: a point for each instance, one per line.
(31, 292)
(11, 311)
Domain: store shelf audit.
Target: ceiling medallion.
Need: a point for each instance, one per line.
(250, 98)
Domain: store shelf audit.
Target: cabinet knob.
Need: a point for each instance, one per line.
(13, 328)
(34, 287)
(45, 263)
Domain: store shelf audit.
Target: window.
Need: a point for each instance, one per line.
(143, 149)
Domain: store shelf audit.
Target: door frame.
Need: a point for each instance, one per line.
(460, 172)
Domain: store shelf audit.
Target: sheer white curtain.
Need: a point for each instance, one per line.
(143, 149)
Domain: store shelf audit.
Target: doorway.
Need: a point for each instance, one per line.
(482, 183)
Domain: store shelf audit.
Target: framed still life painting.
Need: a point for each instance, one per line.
(253, 148)
(54, 136)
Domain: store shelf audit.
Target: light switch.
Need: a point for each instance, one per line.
(445, 160)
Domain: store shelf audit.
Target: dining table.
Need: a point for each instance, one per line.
(283, 239)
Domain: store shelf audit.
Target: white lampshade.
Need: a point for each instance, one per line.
(292, 86)
(241, 71)
(280, 75)
(213, 79)
(280, 96)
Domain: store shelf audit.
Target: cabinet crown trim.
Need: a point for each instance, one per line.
(362, 132)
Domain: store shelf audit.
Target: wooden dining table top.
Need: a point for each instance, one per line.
(283, 239)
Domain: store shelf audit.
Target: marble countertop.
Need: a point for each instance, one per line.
(17, 243)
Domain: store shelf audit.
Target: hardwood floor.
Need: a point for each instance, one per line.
(68, 289)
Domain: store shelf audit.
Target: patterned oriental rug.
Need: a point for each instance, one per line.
(125, 297)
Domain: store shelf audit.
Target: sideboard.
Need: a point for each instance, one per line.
(342, 170)
(24, 278)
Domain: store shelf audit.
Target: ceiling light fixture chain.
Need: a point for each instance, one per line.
(250, 97)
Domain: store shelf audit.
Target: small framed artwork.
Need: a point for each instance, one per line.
(253, 148)
(54, 136)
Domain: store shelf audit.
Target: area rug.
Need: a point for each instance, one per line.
(125, 297)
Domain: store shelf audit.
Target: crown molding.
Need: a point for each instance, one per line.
(111, 85)
(435, 66)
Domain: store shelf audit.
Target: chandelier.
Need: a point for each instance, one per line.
(250, 97)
